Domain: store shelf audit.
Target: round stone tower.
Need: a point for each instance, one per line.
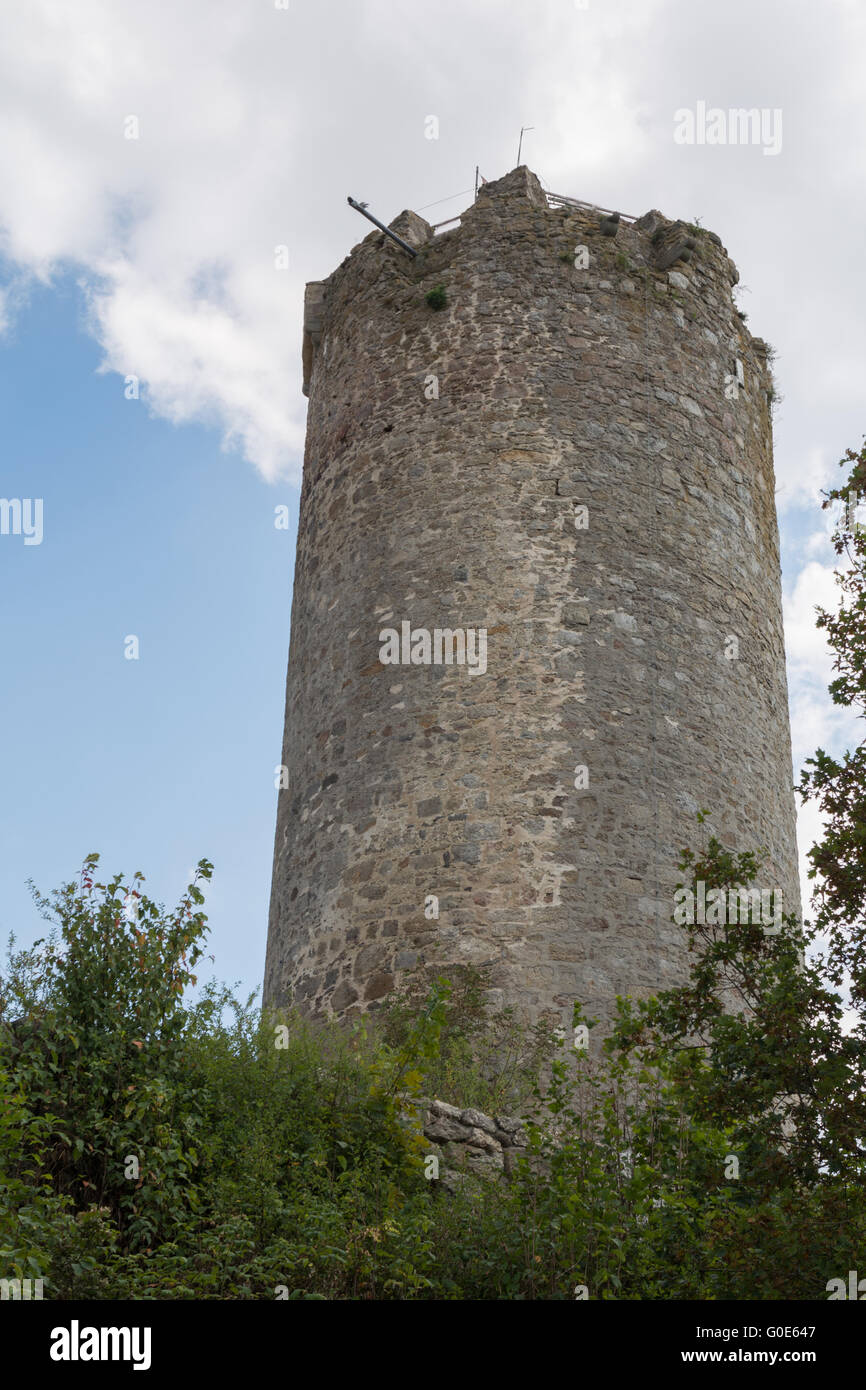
(537, 615)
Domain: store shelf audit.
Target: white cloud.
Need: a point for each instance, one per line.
(256, 122)
(806, 645)
(816, 721)
(173, 233)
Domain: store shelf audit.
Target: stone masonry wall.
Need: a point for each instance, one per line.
(468, 1142)
(433, 815)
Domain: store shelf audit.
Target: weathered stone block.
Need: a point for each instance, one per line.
(476, 1120)
(444, 1130)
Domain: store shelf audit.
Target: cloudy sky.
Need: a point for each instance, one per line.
(152, 159)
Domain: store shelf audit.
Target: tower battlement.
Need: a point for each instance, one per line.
(516, 206)
(573, 457)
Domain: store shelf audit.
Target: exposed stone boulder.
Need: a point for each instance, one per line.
(466, 1141)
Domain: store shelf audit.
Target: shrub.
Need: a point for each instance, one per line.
(436, 298)
(277, 1160)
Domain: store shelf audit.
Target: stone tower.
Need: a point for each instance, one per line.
(567, 471)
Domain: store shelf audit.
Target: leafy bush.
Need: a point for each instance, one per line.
(276, 1159)
(488, 1059)
(98, 1050)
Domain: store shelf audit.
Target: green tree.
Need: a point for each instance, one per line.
(92, 1033)
(838, 785)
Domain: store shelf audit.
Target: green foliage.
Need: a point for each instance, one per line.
(436, 298)
(29, 1210)
(92, 1030)
(89, 1029)
(753, 1057)
(709, 1151)
(303, 1169)
(268, 1154)
(490, 1060)
(838, 860)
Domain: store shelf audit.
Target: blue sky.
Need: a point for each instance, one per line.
(148, 246)
(149, 529)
